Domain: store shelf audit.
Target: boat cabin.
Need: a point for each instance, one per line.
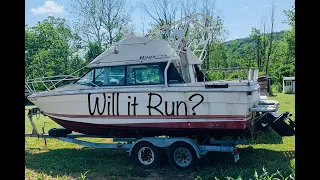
(142, 61)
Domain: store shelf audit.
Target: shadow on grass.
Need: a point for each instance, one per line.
(221, 165)
(73, 162)
(268, 137)
(108, 163)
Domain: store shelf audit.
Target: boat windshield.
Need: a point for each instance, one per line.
(86, 79)
(140, 74)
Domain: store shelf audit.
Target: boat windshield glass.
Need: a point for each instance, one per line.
(140, 74)
(110, 76)
(144, 74)
(87, 79)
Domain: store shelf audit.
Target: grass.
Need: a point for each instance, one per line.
(61, 160)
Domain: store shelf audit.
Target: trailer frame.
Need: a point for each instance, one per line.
(190, 149)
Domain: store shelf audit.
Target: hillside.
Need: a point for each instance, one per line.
(244, 52)
(248, 40)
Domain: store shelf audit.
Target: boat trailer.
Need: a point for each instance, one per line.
(183, 153)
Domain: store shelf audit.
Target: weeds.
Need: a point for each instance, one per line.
(83, 176)
(264, 176)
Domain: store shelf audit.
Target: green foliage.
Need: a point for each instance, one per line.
(83, 176)
(75, 63)
(218, 56)
(215, 75)
(94, 50)
(50, 48)
(252, 52)
(290, 14)
(276, 88)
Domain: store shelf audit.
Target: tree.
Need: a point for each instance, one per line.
(100, 21)
(161, 11)
(188, 7)
(273, 7)
(218, 32)
(49, 47)
(76, 63)
(94, 50)
(219, 60)
(256, 36)
(290, 14)
(290, 35)
(264, 41)
(142, 21)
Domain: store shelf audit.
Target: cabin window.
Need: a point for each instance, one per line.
(110, 76)
(87, 79)
(288, 83)
(144, 74)
(199, 74)
(174, 76)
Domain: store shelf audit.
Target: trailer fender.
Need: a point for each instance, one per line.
(166, 142)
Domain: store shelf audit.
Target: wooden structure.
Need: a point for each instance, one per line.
(264, 82)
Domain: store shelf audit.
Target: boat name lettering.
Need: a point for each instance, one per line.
(153, 56)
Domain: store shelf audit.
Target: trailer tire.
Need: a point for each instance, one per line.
(182, 156)
(146, 155)
(59, 132)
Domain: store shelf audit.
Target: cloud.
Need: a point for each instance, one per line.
(49, 7)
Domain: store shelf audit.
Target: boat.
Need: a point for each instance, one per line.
(145, 86)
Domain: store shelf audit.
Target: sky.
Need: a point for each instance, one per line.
(239, 15)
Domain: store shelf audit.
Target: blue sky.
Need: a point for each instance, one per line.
(239, 15)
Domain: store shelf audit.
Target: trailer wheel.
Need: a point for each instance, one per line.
(182, 156)
(59, 132)
(147, 155)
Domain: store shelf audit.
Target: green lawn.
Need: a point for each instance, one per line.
(60, 160)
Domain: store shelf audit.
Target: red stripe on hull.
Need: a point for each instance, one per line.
(189, 125)
(155, 116)
(157, 129)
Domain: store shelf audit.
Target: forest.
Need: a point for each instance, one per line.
(56, 46)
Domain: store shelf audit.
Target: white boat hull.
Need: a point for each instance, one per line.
(97, 113)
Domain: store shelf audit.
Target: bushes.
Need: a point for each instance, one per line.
(276, 88)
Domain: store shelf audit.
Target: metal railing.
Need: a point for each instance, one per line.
(48, 83)
(251, 72)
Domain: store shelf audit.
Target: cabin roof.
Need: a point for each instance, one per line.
(135, 50)
(289, 78)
